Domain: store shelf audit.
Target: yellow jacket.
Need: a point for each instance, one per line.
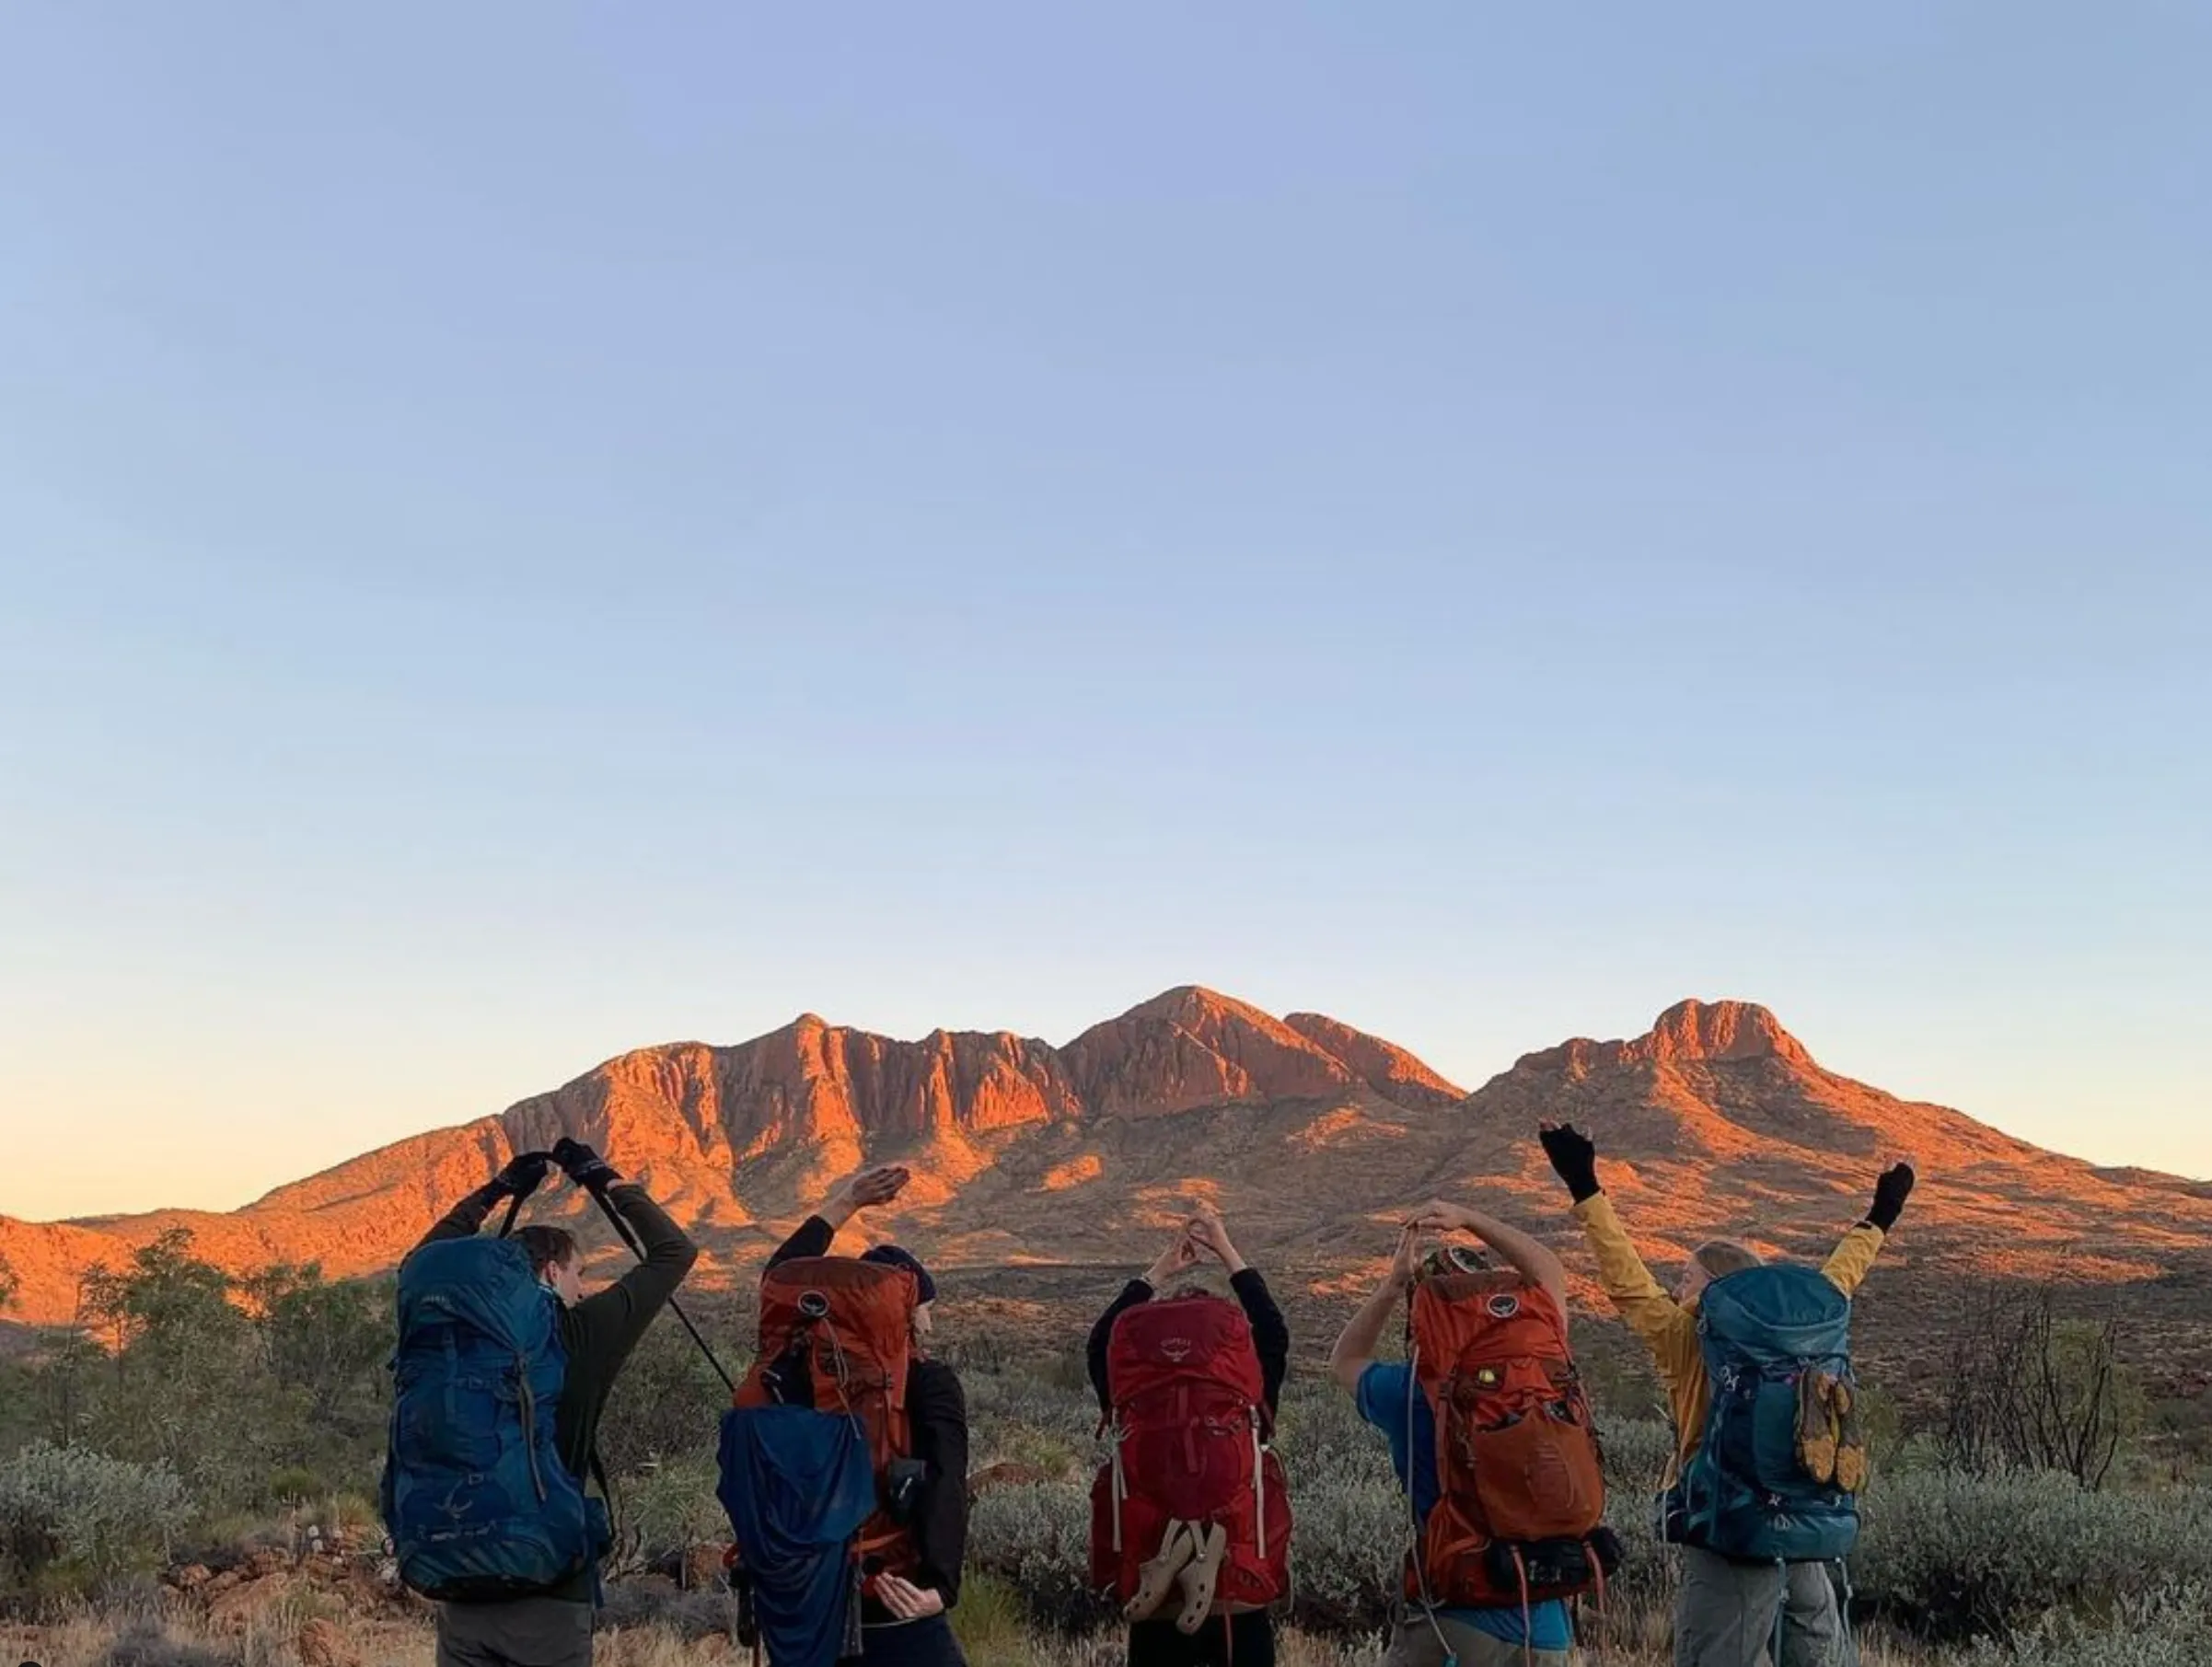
(1670, 1330)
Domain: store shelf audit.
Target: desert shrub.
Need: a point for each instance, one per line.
(1953, 1557)
(1346, 1556)
(2167, 1629)
(666, 1406)
(146, 1643)
(1001, 1404)
(294, 1484)
(66, 1505)
(991, 1625)
(658, 1604)
(669, 1509)
(1036, 1540)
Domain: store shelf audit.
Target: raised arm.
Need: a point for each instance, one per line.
(523, 1175)
(610, 1322)
(813, 1237)
(1533, 1260)
(1355, 1344)
(1271, 1331)
(1176, 1258)
(1668, 1329)
(1847, 1268)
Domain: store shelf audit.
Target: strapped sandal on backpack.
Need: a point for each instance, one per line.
(1776, 1475)
(1192, 1498)
(1199, 1577)
(1158, 1575)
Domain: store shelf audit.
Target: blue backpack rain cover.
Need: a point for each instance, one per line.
(475, 1497)
(1746, 1494)
(797, 1484)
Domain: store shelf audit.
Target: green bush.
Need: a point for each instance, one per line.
(68, 1506)
(991, 1625)
(294, 1484)
(669, 1508)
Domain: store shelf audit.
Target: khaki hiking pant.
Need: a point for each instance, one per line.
(522, 1632)
(1413, 1644)
(1725, 1613)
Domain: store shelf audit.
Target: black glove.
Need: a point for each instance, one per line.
(583, 1166)
(1573, 1156)
(525, 1172)
(1890, 1193)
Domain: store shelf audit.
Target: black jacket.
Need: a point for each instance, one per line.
(1270, 1336)
(599, 1332)
(937, 1419)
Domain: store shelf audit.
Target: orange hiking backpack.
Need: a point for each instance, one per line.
(850, 1321)
(1191, 1431)
(1520, 1511)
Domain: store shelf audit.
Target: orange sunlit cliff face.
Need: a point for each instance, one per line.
(1310, 1135)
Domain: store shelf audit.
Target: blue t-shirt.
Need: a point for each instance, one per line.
(1382, 1404)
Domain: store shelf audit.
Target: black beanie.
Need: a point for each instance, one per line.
(891, 1255)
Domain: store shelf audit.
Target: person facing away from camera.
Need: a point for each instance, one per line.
(1738, 1343)
(1191, 1515)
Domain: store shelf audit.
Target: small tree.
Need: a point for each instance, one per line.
(10, 1287)
(2030, 1390)
(323, 1352)
(181, 1347)
(63, 1383)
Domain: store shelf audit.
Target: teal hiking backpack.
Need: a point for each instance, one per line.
(1777, 1344)
(475, 1497)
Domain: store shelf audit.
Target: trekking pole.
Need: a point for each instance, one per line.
(623, 1233)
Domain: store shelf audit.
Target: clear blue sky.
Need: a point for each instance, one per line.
(531, 530)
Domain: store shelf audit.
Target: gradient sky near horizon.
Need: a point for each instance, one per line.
(531, 530)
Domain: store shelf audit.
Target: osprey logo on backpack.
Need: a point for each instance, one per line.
(1504, 1305)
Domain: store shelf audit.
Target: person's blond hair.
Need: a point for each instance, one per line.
(1721, 1257)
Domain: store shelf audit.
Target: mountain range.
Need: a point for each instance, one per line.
(1313, 1136)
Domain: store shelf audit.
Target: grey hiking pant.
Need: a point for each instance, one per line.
(522, 1632)
(1725, 1612)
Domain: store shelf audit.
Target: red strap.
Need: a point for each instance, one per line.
(1528, 1619)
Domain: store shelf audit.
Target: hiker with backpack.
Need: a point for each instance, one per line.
(1493, 1442)
(1190, 1517)
(849, 1336)
(502, 1373)
(1761, 1494)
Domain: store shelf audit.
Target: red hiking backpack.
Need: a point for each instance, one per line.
(1520, 1490)
(1190, 1429)
(850, 1321)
